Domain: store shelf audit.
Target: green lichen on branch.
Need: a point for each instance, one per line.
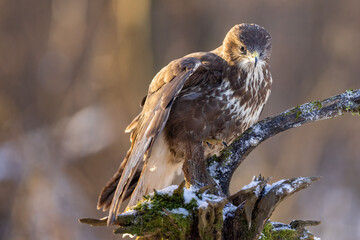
(294, 110)
(163, 215)
(351, 106)
(316, 105)
(175, 213)
(271, 233)
(225, 153)
(294, 231)
(306, 108)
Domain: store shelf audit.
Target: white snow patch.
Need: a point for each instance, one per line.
(296, 125)
(257, 130)
(257, 191)
(254, 141)
(250, 185)
(285, 188)
(282, 227)
(212, 171)
(277, 183)
(129, 212)
(190, 194)
(182, 211)
(128, 235)
(268, 187)
(229, 210)
(168, 190)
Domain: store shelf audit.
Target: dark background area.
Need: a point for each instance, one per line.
(72, 74)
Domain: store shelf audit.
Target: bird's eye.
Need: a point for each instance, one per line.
(243, 50)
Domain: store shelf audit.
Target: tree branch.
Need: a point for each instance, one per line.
(198, 213)
(222, 168)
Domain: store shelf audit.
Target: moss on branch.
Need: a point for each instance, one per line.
(181, 213)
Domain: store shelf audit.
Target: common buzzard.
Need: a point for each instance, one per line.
(198, 103)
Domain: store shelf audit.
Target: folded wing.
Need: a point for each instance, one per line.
(146, 127)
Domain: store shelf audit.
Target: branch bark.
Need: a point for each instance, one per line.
(222, 168)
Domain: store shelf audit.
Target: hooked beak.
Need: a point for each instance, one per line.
(255, 56)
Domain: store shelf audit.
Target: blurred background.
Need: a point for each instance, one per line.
(72, 74)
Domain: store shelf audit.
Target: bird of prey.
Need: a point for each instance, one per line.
(200, 102)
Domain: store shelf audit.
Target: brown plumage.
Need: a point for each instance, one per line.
(204, 100)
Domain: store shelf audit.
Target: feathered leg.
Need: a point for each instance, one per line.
(194, 167)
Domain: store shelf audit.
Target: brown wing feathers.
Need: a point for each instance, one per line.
(145, 128)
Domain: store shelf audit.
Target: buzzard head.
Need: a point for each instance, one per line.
(247, 46)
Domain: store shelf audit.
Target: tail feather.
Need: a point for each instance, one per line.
(130, 169)
(107, 193)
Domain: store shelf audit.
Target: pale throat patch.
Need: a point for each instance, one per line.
(255, 73)
(248, 65)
